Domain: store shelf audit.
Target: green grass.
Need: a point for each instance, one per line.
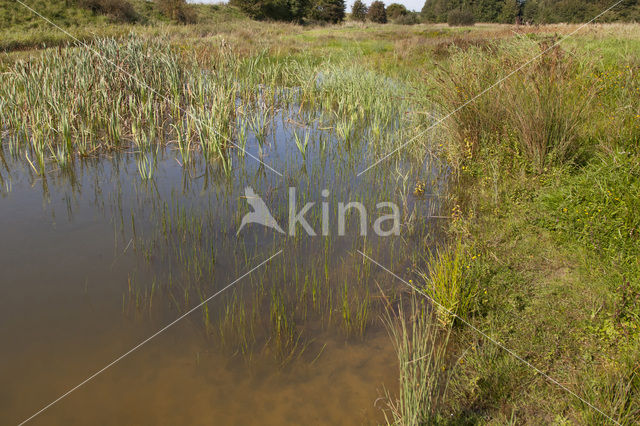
(22, 29)
(425, 363)
(449, 283)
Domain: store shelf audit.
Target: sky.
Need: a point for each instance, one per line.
(415, 5)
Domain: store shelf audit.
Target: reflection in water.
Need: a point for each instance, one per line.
(99, 255)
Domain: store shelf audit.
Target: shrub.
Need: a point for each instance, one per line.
(377, 12)
(177, 10)
(359, 11)
(396, 10)
(460, 18)
(327, 11)
(277, 10)
(120, 10)
(410, 18)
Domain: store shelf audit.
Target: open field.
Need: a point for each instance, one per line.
(123, 172)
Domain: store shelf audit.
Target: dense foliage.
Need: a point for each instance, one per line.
(533, 11)
(120, 10)
(332, 11)
(359, 11)
(410, 18)
(377, 13)
(327, 11)
(277, 10)
(177, 10)
(460, 17)
(396, 10)
(546, 11)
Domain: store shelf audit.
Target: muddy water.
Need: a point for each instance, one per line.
(95, 259)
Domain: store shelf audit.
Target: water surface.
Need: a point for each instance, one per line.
(95, 259)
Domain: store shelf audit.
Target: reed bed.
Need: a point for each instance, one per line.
(137, 93)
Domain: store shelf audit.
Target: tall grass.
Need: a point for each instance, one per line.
(540, 113)
(422, 346)
(447, 283)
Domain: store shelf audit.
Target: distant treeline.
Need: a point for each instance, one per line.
(532, 11)
(332, 11)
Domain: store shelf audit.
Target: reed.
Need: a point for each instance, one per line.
(425, 365)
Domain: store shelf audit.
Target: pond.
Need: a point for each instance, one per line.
(130, 270)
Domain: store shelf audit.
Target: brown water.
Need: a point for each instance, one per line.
(75, 242)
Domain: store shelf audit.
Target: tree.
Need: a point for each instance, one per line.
(377, 12)
(277, 10)
(359, 11)
(328, 11)
(396, 10)
(438, 10)
(485, 10)
(530, 11)
(510, 12)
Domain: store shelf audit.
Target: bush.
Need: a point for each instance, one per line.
(120, 10)
(327, 11)
(410, 18)
(460, 18)
(359, 11)
(377, 12)
(177, 10)
(277, 10)
(395, 11)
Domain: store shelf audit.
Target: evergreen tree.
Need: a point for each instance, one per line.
(510, 12)
(530, 11)
(377, 12)
(438, 10)
(359, 11)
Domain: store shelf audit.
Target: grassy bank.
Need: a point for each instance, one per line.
(547, 167)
